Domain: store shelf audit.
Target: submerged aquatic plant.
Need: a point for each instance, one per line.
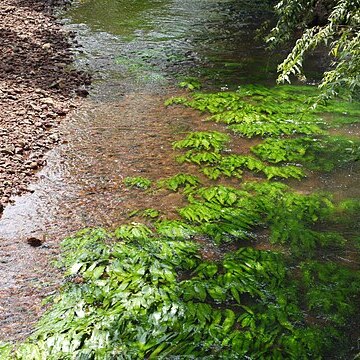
(316, 153)
(150, 296)
(214, 164)
(151, 292)
(186, 181)
(203, 140)
(257, 111)
(139, 182)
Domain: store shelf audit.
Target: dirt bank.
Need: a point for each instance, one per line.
(38, 87)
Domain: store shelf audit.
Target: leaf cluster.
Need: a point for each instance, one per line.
(215, 165)
(339, 33)
(139, 182)
(316, 153)
(150, 296)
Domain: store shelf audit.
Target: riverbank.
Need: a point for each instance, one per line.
(38, 88)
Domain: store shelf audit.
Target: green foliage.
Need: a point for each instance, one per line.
(258, 111)
(138, 182)
(227, 214)
(275, 128)
(153, 298)
(203, 140)
(340, 33)
(148, 292)
(176, 100)
(215, 103)
(175, 229)
(190, 84)
(329, 289)
(132, 232)
(215, 165)
(187, 181)
(291, 217)
(285, 150)
(5, 350)
(324, 153)
(151, 213)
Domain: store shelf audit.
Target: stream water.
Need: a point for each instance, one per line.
(137, 51)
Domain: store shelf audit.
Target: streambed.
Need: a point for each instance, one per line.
(137, 54)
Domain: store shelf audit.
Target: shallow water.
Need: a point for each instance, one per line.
(148, 42)
(136, 51)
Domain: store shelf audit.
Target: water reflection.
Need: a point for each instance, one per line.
(210, 38)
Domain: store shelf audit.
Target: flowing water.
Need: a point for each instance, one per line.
(137, 51)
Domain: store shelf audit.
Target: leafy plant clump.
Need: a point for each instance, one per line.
(294, 133)
(149, 291)
(138, 182)
(316, 153)
(227, 215)
(203, 140)
(190, 84)
(150, 296)
(257, 111)
(215, 165)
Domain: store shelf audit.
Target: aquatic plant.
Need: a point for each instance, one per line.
(153, 297)
(190, 84)
(203, 140)
(139, 182)
(316, 153)
(146, 291)
(186, 181)
(215, 165)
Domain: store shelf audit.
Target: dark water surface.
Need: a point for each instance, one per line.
(137, 52)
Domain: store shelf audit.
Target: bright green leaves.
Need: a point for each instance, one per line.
(258, 111)
(225, 214)
(275, 128)
(284, 172)
(287, 150)
(212, 103)
(245, 116)
(215, 165)
(146, 292)
(190, 84)
(132, 232)
(203, 140)
(150, 298)
(5, 350)
(338, 31)
(174, 229)
(138, 182)
(221, 195)
(186, 181)
(323, 153)
(118, 302)
(290, 217)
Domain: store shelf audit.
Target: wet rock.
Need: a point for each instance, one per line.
(48, 101)
(34, 242)
(33, 165)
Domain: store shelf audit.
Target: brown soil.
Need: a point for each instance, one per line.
(37, 88)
